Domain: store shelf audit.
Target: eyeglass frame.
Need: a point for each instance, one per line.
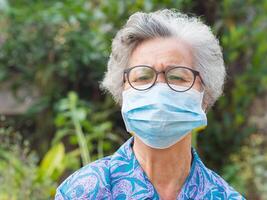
(195, 73)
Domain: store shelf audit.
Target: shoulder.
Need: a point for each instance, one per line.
(219, 188)
(89, 182)
(214, 186)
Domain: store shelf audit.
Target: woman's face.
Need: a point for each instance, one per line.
(160, 53)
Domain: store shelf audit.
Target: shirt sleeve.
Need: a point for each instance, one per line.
(89, 182)
(60, 196)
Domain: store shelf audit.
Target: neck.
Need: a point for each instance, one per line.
(168, 168)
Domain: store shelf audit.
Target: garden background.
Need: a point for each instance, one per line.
(54, 118)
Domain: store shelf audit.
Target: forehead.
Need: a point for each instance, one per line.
(162, 52)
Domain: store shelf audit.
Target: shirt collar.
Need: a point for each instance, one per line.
(125, 154)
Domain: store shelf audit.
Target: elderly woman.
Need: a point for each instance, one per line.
(165, 70)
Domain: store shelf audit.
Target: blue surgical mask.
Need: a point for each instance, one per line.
(160, 116)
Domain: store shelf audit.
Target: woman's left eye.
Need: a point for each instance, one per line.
(175, 78)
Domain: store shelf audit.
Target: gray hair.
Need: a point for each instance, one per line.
(141, 26)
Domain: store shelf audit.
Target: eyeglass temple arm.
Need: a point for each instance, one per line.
(201, 80)
(124, 74)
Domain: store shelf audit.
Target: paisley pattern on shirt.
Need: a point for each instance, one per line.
(120, 177)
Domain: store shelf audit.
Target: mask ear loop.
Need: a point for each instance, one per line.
(202, 100)
(202, 93)
(203, 85)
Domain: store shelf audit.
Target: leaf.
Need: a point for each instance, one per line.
(52, 162)
(60, 120)
(79, 114)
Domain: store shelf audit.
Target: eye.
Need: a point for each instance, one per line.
(174, 77)
(143, 78)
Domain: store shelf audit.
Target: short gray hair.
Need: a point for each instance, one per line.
(207, 52)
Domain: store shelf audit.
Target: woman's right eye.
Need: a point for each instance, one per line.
(140, 79)
(143, 78)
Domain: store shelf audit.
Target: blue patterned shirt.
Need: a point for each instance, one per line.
(120, 176)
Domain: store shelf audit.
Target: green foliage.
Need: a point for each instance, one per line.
(243, 38)
(247, 170)
(76, 115)
(22, 177)
(85, 126)
(19, 170)
(53, 163)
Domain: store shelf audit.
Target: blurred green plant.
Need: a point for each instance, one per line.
(75, 114)
(85, 126)
(241, 26)
(19, 170)
(247, 170)
(22, 176)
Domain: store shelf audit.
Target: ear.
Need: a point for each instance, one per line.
(205, 106)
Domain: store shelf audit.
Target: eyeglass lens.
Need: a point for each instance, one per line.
(143, 77)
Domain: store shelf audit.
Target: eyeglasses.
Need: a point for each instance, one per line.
(143, 77)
